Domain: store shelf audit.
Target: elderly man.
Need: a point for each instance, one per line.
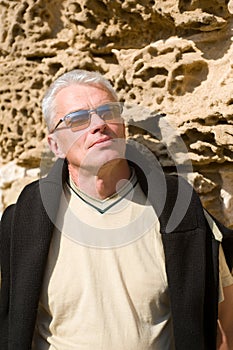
(87, 261)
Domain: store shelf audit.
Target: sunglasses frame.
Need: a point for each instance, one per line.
(68, 117)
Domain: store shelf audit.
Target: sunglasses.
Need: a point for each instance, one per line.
(79, 120)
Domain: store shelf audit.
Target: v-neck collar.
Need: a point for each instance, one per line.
(104, 205)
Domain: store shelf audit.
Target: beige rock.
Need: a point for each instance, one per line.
(172, 57)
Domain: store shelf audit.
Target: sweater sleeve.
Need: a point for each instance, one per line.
(225, 276)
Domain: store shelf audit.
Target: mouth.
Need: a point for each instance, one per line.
(102, 141)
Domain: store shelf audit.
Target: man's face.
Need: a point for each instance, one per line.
(98, 144)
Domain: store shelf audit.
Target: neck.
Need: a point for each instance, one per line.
(103, 184)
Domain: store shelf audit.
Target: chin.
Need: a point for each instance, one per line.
(97, 160)
(108, 157)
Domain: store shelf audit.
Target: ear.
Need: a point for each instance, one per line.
(54, 146)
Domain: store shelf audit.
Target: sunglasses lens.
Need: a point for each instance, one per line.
(78, 120)
(110, 112)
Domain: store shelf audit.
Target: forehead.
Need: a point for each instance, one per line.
(82, 96)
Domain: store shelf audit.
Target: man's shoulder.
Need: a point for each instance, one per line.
(54, 177)
(30, 189)
(174, 178)
(42, 193)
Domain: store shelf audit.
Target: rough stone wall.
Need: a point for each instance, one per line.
(172, 57)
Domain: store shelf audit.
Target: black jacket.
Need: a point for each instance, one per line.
(191, 257)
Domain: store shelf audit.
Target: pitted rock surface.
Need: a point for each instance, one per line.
(170, 59)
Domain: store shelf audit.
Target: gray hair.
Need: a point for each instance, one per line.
(76, 76)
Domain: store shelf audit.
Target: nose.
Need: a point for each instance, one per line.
(96, 123)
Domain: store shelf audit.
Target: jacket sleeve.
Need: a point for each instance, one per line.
(5, 239)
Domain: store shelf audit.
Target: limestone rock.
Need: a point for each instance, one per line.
(170, 62)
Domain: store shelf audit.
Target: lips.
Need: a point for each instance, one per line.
(100, 141)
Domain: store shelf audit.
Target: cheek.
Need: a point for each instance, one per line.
(118, 129)
(71, 143)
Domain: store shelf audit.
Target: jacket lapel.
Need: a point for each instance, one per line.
(188, 255)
